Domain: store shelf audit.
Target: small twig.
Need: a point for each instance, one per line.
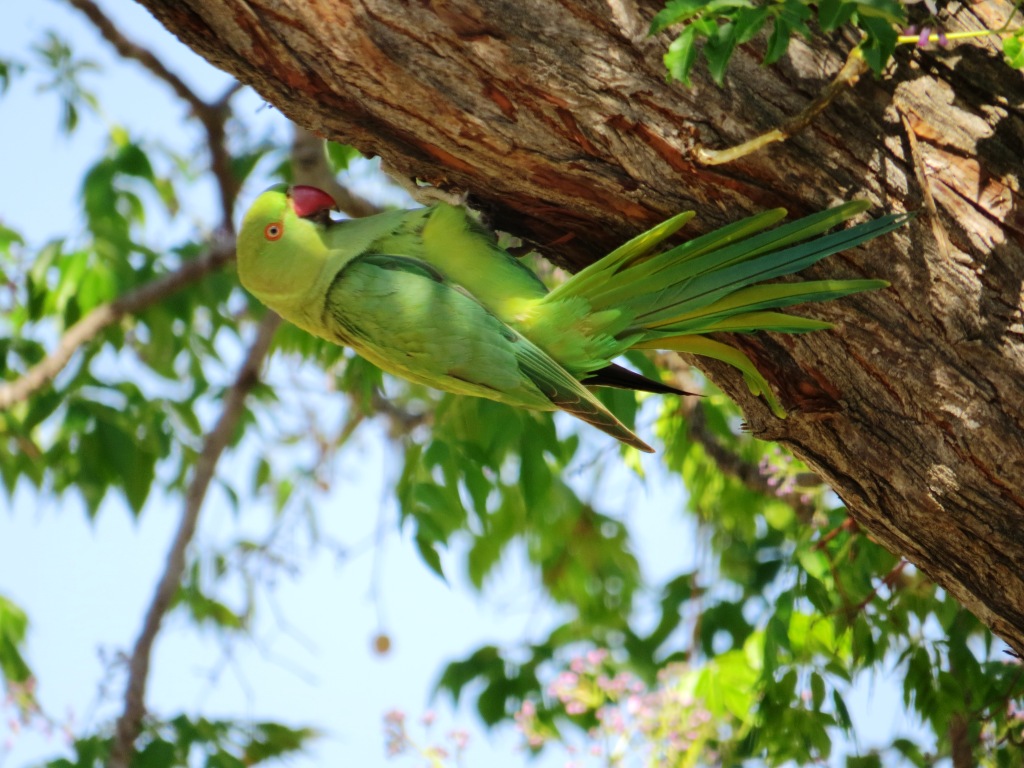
(887, 581)
(129, 724)
(941, 238)
(847, 77)
(954, 36)
(400, 421)
(43, 372)
(849, 525)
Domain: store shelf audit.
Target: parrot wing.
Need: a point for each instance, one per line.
(403, 315)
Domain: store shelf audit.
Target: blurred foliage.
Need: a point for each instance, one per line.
(183, 741)
(788, 606)
(13, 626)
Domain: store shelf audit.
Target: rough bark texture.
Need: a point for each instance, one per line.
(556, 117)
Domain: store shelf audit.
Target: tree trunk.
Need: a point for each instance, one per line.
(556, 117)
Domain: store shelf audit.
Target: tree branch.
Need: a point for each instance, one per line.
(129, 724)
(131, 50)
(213, 116)
(43, 372)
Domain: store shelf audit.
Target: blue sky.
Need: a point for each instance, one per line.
(85, 584)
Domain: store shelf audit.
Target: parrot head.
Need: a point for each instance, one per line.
(280, 248)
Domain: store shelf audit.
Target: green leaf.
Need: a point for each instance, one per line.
(778, 41)
(274, 740)
(864, 761)
(157, 754)
(485, 662)
(8, 70)
(879, 43)
(893, 12)
(340, 156)
(430, 556)
(132, 161)
(834, 13)
(912, 752)
(137, 468)
(491, 703)
(817, 690)
(681, 56)
(674, 12)
(814, 561)
(1013, 50)
(718, 50)
(842, 713)
(13, 627)
(748, 22)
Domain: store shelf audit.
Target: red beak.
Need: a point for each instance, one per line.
(310, 201)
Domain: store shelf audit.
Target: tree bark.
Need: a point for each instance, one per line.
(556, 117)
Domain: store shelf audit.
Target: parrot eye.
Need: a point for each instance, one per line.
(274, 231)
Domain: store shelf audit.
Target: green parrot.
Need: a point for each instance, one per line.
(429, 295)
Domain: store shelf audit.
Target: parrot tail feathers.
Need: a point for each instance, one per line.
(701, 345)
(622, 378)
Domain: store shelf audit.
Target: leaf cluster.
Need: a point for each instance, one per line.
(185, 741)
(715, 27)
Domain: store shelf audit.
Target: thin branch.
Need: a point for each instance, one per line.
(400, 421)
(847, 77)
(213, 116)
(887, 581)
(129, 724)
(734, 466)
(131, 50)
(43, 372)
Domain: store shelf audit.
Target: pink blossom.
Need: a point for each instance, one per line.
(567, 679)
(611, 718)
(634, 704)
(575, 707)
(596, 657)
(459, 738)
(428, 717)
(564, 686)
